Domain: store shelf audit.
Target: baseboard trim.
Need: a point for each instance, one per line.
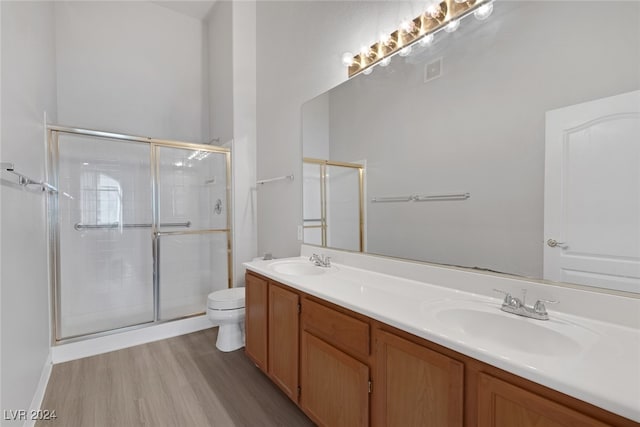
(38, 396)
(91, 347)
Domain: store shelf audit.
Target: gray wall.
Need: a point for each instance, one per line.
(245, 225)
(219, 54)
(133, 67)
(28, 89)
(480, 128)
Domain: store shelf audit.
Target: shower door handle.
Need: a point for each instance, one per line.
(79, 226)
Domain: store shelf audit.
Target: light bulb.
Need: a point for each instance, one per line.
(483, 12)
(386, 61)
(434, 10)
(365, 54)
(368, 71)
(452, 26)
(426, 40)
(347, 59)
(384, 39)
(407, 26)
(405, 51)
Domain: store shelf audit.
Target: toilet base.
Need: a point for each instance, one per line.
(230, 337)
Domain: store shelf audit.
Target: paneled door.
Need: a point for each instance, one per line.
(592, 193)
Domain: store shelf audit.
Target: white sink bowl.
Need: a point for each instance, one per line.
(297, 268)
(474, 322)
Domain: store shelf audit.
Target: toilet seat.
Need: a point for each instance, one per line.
(226, 299)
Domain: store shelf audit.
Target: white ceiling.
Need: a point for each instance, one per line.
(196, 9)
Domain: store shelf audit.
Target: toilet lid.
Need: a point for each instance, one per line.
(226, 299)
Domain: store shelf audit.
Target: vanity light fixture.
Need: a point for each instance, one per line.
(445, 15)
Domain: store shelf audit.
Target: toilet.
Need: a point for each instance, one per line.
(225, 308)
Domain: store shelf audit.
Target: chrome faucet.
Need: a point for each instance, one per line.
(320, 260)
(514, 305)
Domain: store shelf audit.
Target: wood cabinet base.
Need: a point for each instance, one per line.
(404, 381)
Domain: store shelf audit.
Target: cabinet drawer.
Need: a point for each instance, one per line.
(341, 330)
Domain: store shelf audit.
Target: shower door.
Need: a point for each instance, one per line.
(104, 216)
(139, 229)
(192, 238)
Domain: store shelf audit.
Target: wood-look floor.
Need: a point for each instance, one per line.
(183, 381)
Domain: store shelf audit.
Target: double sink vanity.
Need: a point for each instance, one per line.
(360, 342)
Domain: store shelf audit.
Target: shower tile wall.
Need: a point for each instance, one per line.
(190, 183)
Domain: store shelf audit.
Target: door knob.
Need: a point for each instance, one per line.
(552, 243)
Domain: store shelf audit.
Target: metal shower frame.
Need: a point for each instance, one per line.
(51, 173)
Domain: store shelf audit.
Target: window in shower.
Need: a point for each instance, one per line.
(100, 197)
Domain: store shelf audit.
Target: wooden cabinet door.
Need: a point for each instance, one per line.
(283, 339)
(334, 385)
(501, 404)
(415, 386)
(256, 293)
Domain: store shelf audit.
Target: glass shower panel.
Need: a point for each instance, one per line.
(192, 189)
(193, 230)
(104, 224)
(312, 203)
(191, 267)
(343, 207)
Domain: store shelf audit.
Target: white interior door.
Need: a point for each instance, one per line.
(592, 193)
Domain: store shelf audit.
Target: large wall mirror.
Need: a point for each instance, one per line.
(510, 145)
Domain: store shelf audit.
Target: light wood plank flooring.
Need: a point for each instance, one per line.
(181, 381)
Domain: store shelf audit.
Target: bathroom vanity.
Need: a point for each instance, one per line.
(356, 348)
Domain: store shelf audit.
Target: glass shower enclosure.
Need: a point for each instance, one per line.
(139, 229)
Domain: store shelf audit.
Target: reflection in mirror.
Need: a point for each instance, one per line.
(333, 204)
(534, 113)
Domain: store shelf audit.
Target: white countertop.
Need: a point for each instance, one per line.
(592, 360)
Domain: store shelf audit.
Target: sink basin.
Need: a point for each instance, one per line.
(474, 322)
(297, 268)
